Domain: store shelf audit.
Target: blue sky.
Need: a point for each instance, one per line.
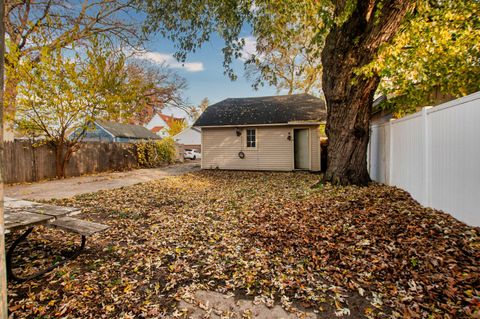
(204, 72)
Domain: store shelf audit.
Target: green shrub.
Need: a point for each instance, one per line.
(155, 153)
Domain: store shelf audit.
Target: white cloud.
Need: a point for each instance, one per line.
(168, 60)
(249, 49)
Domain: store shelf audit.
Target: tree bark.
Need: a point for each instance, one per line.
(349, 96)
(3, 265)
(59, 160)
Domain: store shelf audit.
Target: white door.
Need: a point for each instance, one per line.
(301, 148)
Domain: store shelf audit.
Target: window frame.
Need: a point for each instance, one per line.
(255, 142)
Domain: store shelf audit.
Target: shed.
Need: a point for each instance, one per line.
(278, 133)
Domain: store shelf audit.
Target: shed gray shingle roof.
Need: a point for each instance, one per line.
(127, 130)
(264, 110)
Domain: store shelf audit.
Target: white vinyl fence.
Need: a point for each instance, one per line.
(434, 155)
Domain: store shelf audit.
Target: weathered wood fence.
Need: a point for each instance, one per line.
(27, 162)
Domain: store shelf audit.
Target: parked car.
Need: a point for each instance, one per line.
(192, 154)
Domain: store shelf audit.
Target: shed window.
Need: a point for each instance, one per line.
(251, 138)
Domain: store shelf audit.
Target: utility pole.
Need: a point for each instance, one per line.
(3, 265)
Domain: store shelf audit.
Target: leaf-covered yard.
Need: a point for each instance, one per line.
(369, 251)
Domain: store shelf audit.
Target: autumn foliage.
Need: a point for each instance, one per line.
(369, 251)
(156, 153)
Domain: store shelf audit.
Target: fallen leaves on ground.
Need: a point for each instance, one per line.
(359, 251)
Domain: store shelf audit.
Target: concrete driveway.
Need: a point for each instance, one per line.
(86, 184)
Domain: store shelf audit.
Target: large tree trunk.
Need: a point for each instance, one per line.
(348, 134)
(349, 96)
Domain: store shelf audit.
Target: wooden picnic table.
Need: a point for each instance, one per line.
(25, 215)
(21, 214)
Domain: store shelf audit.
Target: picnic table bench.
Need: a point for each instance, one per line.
(25, 215)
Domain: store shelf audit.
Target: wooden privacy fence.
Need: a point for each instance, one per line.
(27, 162)
(434, 155)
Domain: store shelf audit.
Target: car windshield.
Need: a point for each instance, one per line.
(187, 150)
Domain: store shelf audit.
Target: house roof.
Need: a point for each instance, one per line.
(187, 129)
(156, 129)
(170, 118)
(127, 130)
(264, 110)
(376, 103)
(380, 115)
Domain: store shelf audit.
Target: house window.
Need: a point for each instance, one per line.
(251, 138)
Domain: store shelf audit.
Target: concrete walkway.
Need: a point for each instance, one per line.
(86, 184)
(213, 305)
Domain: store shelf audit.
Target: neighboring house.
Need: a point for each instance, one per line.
(279, 133)
(191, 138)
(161, 123)
(380, 115)
(107, 131)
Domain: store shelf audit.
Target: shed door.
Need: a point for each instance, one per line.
(301, 148)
